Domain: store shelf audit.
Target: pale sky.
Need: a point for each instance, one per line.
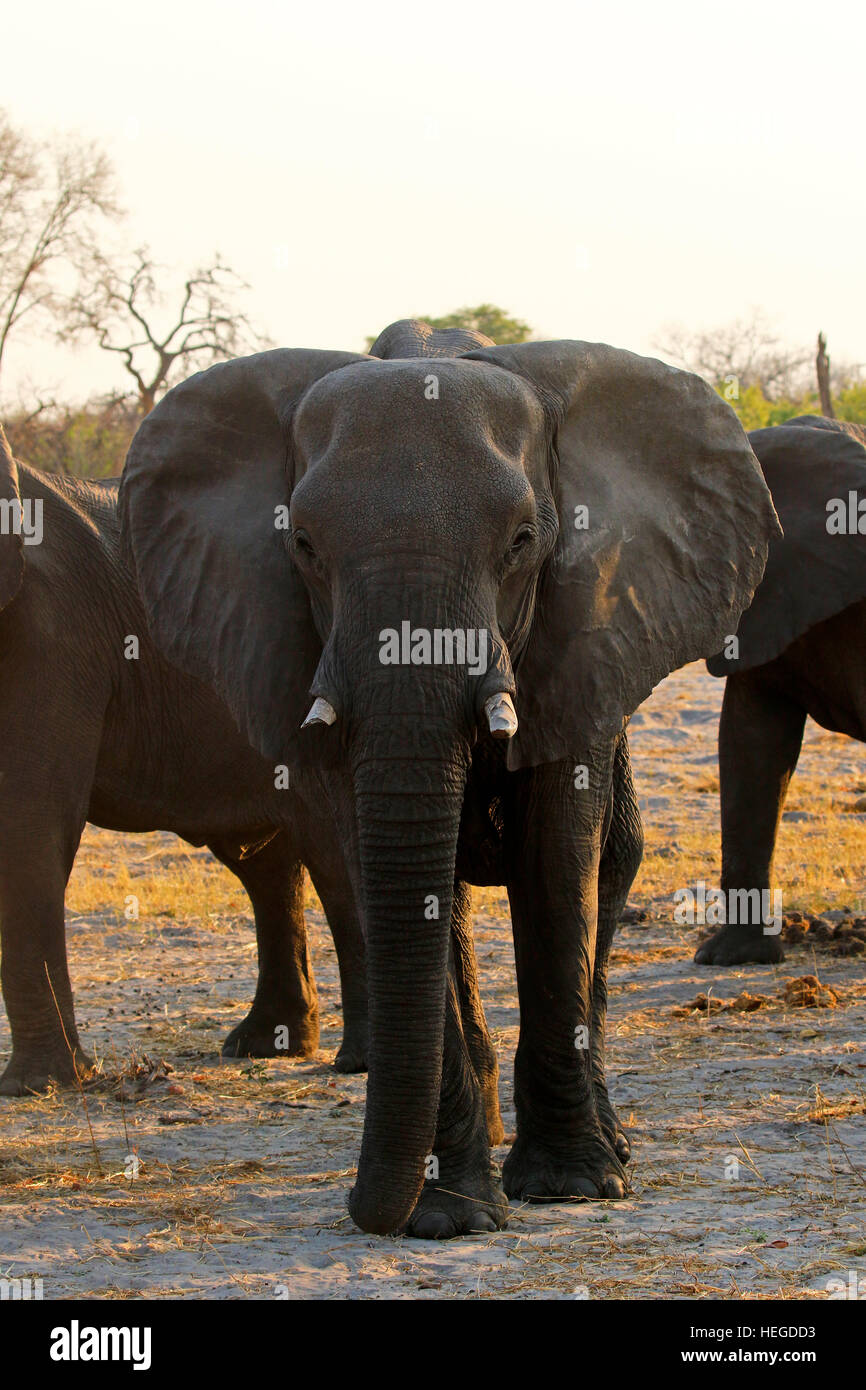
(599, 170)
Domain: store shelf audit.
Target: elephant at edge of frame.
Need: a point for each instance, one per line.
(97, 726)
(800, 650)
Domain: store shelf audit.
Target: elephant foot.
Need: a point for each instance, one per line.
(611, 1125)
(592, 1170)
(28, 1074)
(352, 1056)
(734, 945)
(269, 1035)
(471, 1204)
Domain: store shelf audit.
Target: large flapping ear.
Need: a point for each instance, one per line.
(664, 520)
(11, 544)
(816, 472)
(203, 481)
(415, 338)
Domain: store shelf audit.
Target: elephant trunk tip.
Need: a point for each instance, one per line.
(501, 715)
(382, 1217)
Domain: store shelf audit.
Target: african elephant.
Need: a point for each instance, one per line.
(422, 548)
(801, 650)
(97, 726)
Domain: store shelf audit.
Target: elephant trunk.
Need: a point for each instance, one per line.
(408, 807)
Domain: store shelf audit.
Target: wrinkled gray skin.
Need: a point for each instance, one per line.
(602, 519)
(134, 745)
(802, 651)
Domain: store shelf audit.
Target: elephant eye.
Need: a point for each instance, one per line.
(520, 543)
(303, 545)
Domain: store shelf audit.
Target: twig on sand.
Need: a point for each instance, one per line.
(130, 1153)
(819, 1100)
(851, 1164)
(750, 1161)
(99, 1166)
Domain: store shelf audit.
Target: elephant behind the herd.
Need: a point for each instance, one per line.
(600, 520)
(801, 651)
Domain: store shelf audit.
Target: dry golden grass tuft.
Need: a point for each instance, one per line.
(820, 863)
(167, 877)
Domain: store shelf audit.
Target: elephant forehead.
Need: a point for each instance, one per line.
(445, 404)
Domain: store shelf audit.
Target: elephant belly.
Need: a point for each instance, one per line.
(200, 790)
(826, 670)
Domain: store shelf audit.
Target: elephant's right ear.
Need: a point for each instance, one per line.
(11, 551)
(204, 481)
(813, 468)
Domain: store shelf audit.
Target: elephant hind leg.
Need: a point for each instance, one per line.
(620, 861)
(283, 1020)
(481, 1050)
(34, 869)
(333, 885)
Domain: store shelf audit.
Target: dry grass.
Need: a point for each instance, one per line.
(819, 871)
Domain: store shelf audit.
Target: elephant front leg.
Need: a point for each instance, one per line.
(462, 1192)
(760, 734)
(555, 828)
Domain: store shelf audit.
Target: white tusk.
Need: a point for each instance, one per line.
(320, 713)
(501, 715)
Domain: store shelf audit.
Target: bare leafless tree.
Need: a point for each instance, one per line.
(124, 309)
(749, 350)
(53, 196)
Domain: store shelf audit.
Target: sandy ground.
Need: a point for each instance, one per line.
(229, 1180)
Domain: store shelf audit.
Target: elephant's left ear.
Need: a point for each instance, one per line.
(664, 524)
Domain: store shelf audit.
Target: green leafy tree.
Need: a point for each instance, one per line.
(756, 412)
(850, 404)
(489, 319)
